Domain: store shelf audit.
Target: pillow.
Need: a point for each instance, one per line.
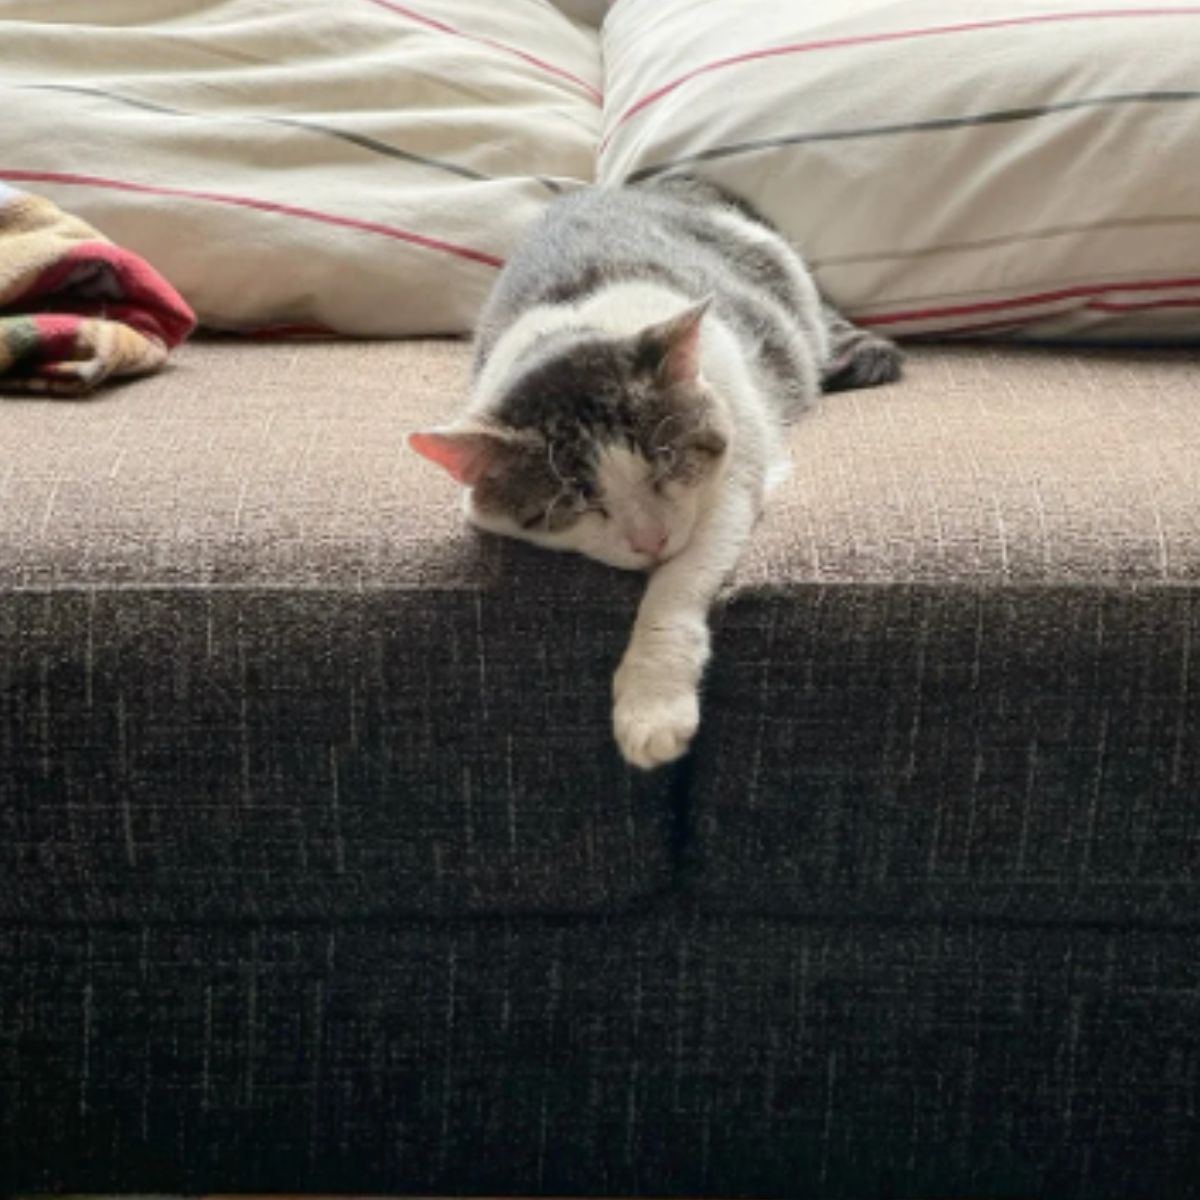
(1030, 166)
(362, 167)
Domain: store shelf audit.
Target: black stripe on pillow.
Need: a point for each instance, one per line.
(1001, 116)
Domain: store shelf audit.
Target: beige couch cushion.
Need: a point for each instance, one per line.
(286, 463)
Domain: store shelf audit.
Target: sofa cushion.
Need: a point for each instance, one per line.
(955, 673)
(1033, 166)
(364, 167)
(655, 1055)
(252, 664)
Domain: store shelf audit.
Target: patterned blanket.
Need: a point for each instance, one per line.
(75, 309)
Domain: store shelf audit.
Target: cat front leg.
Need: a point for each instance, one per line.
(656, 690)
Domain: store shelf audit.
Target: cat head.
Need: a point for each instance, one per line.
(600, 444)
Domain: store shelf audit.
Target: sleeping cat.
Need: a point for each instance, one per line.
(634, 368)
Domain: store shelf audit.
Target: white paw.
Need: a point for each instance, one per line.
(654, 723)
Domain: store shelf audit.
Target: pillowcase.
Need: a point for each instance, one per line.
(1029, 166)
(362, 167)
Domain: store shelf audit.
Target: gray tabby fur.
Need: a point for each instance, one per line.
(634, 369)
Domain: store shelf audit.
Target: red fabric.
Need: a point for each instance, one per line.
(143, 299)
(77, 310)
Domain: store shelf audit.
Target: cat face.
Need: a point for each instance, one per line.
(625, 503)
(605, 446)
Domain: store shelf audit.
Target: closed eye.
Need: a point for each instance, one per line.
(587, 499)
(662, 462)
(583, 501)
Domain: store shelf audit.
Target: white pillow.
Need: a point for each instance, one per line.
(947, 168)
(363, 167)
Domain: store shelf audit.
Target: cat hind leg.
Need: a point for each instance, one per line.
(857, 357)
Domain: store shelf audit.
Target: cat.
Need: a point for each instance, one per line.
(634, 368)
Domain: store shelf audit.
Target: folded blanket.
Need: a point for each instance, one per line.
(74, 308)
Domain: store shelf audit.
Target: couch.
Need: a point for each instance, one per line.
(323, 874)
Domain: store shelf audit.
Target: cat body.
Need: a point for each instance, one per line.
(635, 367)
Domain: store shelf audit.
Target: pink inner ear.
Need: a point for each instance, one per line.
(462, 455)
(682, 363)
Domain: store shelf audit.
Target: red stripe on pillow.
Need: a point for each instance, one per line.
(897, 35)
(285, 210)
(1150, 306)
(441, 26)
(1094, 292)
(1017, 324)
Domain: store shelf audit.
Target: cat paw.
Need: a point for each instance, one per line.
(654, 724)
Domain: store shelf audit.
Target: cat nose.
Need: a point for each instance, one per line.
(651, 542)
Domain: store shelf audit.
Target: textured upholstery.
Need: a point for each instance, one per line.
(252, 665)
(285, 465)
(655, 1055)
(322, 872)
(955, 674)
(243, 753)
(1023, 752)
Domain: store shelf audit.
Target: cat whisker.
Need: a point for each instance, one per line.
(658, 429)
(566, 483)
(564, 492)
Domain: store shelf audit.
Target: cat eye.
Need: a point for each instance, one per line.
(663, 462)
(564, 510)
(586, 499)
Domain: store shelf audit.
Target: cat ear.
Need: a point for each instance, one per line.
(466, 452)
(672, 348)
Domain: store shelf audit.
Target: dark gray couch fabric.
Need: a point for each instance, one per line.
(251, 754)
(662, 1054)
(1026, 752)
(319, 870)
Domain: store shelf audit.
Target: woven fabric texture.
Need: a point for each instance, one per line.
(255, 664)
(1021, 752)
(659, 1055)
(285, 464)
(251, 754)
(322, 872)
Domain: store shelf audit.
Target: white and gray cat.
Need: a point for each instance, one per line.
(634, 369)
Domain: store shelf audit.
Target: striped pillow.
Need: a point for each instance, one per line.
(361, 166)
(1025, 166)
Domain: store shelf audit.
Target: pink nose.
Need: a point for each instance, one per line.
(651, 542)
